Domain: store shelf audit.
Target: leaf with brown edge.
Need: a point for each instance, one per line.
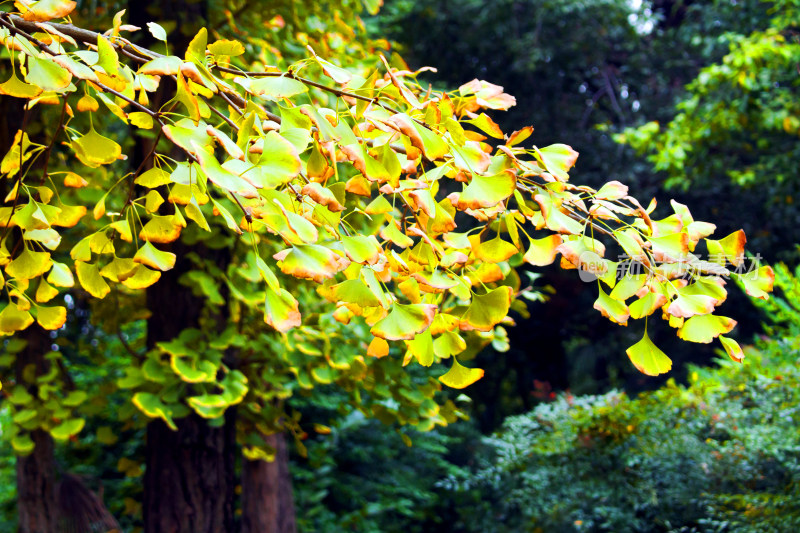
(459, 377)
(487, 191)
(612, 309)
(154, 258)
(487, 125)
(542, 252)
(281, 310)
(557, 159)
(45, 10)
(732, 348)
(648, 358)
(519, 136)
(324, 196)
(161, 229)
(613, 190)
(310, 261)
(430, 143)
(404, 321)
(758, 283)
(730, 248)
(485, 311)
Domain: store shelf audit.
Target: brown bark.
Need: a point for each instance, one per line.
(36, 502)
(267, 502)
(189, 477)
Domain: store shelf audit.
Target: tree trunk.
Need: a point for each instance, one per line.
(36, 477)
(189, 478)
(267, 503)
(190, 473)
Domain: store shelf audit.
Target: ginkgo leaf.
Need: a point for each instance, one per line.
(13, 319)
(646, 305)
(272, 87)
(487, 310)
(47, 75)
(705, 328)
(221, 177)
(68, 428)
(732, 348)
(420, 136)
(142, 278)
(612, 309)
(19, 89)
(161, 229)
(225, 47)
(459, 377)
(45, 10)
(648, 358)
(557, 159)
(60, 275)
(404, 321)
(421, 347)
(29, 264)
(542, 252)
(51, 317)
(487, 191)
(687, 305)
(448, 343)
(90, 279)
(154, 258)
(362, 249)
(378, 348)
(157, 31)
(155, 177)
(356, 292)
(310, 261)
(758, 283)
(730, 248)
(45, 292)
(152, 406)
(94, 150)
(281, 310)
(494, 250)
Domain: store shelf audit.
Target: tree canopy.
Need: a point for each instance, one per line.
(300, 200)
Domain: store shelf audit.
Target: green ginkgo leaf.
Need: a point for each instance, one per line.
(152, 406)
(356, 292)
(421, 347)
(648, 358)
(94, 150)
(47, 74)
(557, 159)
(487, 310)
(404, 321)
(705, 328)
(487, 191)
(67, 429)
(459, 377)
(272, 87)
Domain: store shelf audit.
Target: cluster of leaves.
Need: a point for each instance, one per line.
(392, 198)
